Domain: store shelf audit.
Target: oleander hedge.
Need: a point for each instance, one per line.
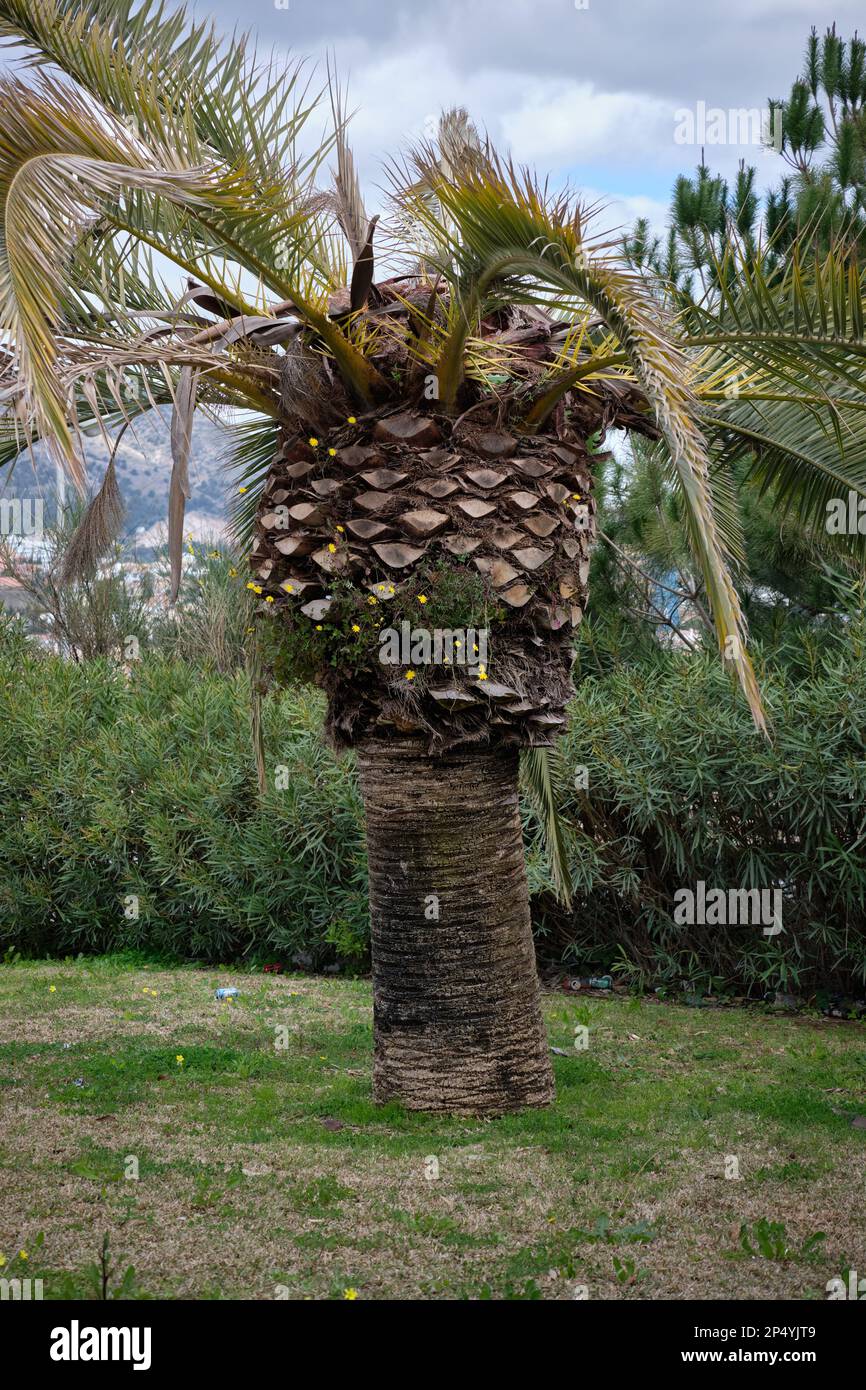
(132, 820)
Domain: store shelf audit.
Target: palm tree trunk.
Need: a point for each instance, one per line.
(457, 1016)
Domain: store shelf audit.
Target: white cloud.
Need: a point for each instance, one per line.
(561, 124)
(618, 212)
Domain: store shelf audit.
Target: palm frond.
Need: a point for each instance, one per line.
(778, 373)
(162, 72)
(541, 775)
(351, 213)
(179, 489)
(254, 447)
(99, 527)
(56, 162)
(171, 83)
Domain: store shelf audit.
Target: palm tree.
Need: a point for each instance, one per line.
(418, 447)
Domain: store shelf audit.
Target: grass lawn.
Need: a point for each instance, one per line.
(265, 1171)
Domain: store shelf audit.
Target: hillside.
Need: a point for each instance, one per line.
(143, 471)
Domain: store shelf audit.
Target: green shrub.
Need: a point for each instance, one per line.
(117, 788)
(209, 626)
(681, 788)
(116, 791)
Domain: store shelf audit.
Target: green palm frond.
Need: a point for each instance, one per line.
(656, 464)
(799, 455)
(778, 373)
(56, 162)
(254, 446)
(161, 72)
(172, 84)
(542, 773)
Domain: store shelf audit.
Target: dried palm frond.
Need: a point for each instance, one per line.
(348, 202)
(179, 489)
(307, 391)
(458, 141)
(98, 528)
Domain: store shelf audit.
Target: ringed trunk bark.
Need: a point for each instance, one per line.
(457, 1016)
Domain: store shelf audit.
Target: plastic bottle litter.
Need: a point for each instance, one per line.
(592, 982)
(230, 993)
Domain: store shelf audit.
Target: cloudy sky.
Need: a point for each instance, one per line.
(587, 90)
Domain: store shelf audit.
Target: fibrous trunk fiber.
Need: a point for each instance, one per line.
(457, 1015)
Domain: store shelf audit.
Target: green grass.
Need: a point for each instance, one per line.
(259, 1167)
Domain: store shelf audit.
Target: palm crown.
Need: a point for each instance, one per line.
(451, 402)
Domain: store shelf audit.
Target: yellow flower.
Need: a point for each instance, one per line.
(474, 647)
(256, 588)
(52, 989)
(289, 588)
(422, 598)
(318, 627)
(269, 598)
(576, 496)
(248, 630)
(242, 489)
(332, 548)
(179, 1059)
(2, 1261)
(314, 442)
(355, 627)
(482, 674)
(350, 1294)
(341, 528)
(352, 420)
(233, 574)
(332, 453)
(410, 675)
(22, 1255)
(372, 600)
